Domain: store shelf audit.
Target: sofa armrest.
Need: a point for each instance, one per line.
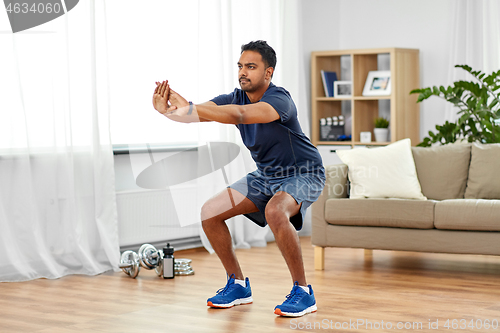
(335, 187)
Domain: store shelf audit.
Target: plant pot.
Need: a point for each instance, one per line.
(381, 134)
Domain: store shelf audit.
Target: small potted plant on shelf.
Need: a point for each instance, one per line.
(381, 129)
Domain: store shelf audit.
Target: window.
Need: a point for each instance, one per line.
(193, 44)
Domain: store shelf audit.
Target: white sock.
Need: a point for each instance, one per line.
(306, 289)
(240, 282)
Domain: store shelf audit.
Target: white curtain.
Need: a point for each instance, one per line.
(57, 198)
(475, 41)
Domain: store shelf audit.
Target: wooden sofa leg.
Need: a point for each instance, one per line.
(319, 258)
(368, 252)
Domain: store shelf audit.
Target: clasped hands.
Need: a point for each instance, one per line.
(166, 101)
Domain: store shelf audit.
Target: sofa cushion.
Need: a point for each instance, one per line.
(484, 179)
(468, 214)
(384, 172)
(443, 170)
(381, 213)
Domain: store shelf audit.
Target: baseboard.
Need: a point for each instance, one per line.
(177, 244)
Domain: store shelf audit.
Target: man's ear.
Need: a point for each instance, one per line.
(269, 73)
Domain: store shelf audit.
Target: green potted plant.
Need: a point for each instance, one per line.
(479, 109)
(381, 130)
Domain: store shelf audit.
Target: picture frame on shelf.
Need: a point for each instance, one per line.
(342, 89)
(378, 83)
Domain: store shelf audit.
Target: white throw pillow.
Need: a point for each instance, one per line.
(385, 172)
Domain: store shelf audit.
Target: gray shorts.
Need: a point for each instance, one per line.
(304, 187)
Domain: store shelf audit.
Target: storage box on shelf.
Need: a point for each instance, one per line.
(404, 111)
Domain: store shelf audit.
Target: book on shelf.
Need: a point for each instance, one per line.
(328, 79)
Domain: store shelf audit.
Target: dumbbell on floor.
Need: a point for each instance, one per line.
(148, 257)
(129, 263)
(151, 258)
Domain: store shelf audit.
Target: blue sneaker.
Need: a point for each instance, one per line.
(232, 294)
(297, 303)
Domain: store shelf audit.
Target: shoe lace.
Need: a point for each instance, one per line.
(225, 289)
(293, 297)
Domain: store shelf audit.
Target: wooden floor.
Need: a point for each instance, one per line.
(384, 289)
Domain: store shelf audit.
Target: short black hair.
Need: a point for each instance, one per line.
(266, 51)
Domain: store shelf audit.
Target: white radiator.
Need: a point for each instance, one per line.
(149, 216)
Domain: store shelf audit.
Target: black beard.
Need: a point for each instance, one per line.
(247, 89)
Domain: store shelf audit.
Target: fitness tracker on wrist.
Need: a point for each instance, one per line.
(190, 108)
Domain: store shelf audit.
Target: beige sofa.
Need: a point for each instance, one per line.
(461, 215)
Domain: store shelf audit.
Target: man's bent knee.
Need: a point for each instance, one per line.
(207, 217)
(209, 210)
(275, 216)
(216, 206)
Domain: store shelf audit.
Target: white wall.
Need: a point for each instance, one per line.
(320, 31)
(355, 24)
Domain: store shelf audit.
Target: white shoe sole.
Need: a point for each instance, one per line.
(310, 309)
(239, 301)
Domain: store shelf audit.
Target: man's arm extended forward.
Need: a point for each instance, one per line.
(180, 110)
(260, 112)
(256, 113)
(206, 103)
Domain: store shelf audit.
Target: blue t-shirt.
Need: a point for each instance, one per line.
(279, 147)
